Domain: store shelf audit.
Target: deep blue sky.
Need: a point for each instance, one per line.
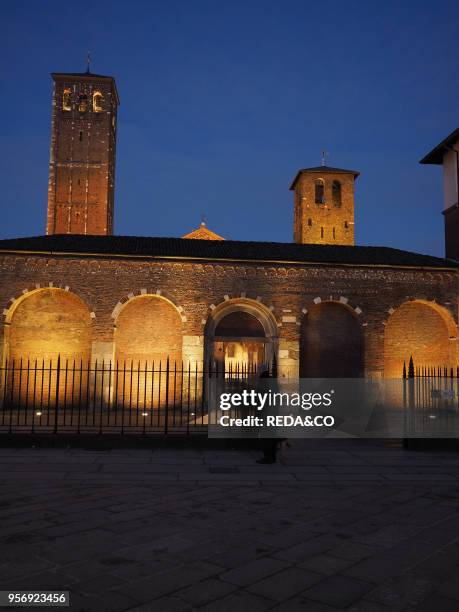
(222, 102)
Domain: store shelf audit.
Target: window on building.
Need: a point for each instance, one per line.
(336, 193)
(67, 99)
(97, 102)
(334, 234)
(319, 191)
(310, 222)
(346, 225)
(83, 103)
(81, 136)
(321, 232)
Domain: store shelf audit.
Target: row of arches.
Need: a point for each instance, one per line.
(82, 101)
(49, 322)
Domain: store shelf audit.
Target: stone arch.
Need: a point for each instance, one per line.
(144, 292)
(148, 340)
(341, 300)
(246, 324)
(421, 329)
(46, 322)
(331, 341)
(148, 328)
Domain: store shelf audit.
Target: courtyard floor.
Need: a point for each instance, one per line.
(335, 525)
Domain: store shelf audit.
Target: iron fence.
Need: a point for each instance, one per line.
(168, 398)
(431, 400)
(132, 397)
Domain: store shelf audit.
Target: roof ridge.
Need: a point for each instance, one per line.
(174, 247)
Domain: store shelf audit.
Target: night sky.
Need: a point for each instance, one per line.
(222, 102)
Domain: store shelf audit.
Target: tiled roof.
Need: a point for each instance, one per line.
(223, 249)
(82, 74)
(323, 170)
(203, 233)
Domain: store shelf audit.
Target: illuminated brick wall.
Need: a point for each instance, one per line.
(48, 323)
(148, 332)
(148, 329)
(289, 292)
(417, 330)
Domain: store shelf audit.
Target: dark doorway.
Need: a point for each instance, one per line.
(331, 343)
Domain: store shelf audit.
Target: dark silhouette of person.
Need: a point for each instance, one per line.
(267, 445)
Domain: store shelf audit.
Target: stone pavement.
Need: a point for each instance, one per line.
(337, 525)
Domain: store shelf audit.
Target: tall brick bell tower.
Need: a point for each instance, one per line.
(83, 150)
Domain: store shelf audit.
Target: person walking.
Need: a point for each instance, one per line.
(267, 445)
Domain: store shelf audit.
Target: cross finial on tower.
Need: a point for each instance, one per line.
(203, 220)
(323, 160)
(88, 62)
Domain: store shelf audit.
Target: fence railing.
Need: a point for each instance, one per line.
(130, 397)
(431, 400)
(65, 396)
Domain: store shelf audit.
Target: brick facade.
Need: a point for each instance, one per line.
(194, 293)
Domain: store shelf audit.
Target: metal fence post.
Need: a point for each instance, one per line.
(166, 418)
(58, 374)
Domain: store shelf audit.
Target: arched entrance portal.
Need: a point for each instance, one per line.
(240, 334)
(331, 344)
(421, 330)
(239, 341)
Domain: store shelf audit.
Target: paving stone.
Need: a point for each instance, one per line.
(370, 606)
(437, 603)
(450, 588)
(285, 583)
(297, 604)
(438, 568)
(253, 571)
(393, 562)
(338, 591)
(239, 555)
(240, 601)
(326, 564)
(403, 592)
(300, 552)
(287, 537)
(98, 584)
(164, 604)
(150, 544)
(201, 593)
(166, 582)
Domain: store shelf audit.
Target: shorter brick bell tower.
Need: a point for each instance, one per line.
(324, 206)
